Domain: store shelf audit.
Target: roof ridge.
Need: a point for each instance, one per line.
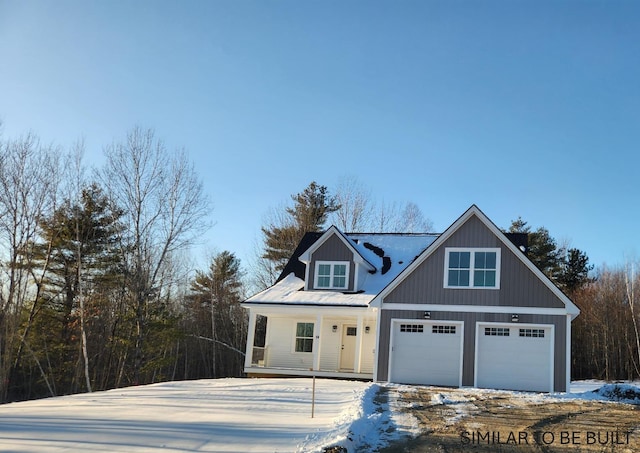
(392, 234)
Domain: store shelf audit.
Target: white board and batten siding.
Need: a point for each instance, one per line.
(515, 356)
(426, 352)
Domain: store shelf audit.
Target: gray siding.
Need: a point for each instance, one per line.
(470, 320)
(519, 287)
(333, 249)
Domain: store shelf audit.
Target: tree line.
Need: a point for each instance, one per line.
(96, 290)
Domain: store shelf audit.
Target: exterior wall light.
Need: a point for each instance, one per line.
(427, 315)
(367, 329)
(515, 318)
(334, 328)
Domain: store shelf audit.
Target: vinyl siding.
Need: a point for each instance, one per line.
(333, 249)
(280, 344)
(368, 348)
(470, 320)
(519, 287)
(281, 337)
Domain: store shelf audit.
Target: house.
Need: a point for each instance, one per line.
(462, 308)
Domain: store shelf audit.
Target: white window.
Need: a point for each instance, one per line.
(304, 337)
(332, 275)
(532, 333)
(472, 268)
(443, 329)
(496, 331)
(412, 328)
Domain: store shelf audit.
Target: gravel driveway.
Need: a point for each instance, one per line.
(461, 420)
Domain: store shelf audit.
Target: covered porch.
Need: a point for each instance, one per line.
(311, 341)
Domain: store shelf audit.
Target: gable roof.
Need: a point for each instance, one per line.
(305, 257)
(294, 265)
(385, 255)
(507, 241)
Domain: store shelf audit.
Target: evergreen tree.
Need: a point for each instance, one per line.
(309, 213)
(569, 269)
(217, 317)
(575, 271)
(78, 241)
(542, 250)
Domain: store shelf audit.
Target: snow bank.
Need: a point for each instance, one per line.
(373, 422)
(621, 392)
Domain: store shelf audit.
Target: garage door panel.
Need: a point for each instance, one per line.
(424, 354)
(519, 360)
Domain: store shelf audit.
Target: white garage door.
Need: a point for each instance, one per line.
(514, 357)
(426, 353)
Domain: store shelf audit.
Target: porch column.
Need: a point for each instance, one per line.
(357, 359)
(250, 339)
(316, 343)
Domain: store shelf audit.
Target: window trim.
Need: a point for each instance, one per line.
(296, 337)
(332, 275)
(472, 269)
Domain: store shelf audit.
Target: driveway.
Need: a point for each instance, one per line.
(462, 420)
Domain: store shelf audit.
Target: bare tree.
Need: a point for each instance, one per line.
(165, 210)
(75, 185)
(28, 189)
(360, 212)
(631, 283)
(412, 220)
(356, 209)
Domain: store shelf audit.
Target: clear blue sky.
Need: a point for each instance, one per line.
(525, 108)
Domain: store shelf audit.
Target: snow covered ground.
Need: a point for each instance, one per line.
(224, 415)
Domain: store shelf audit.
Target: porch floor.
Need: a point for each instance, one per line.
(265, 372)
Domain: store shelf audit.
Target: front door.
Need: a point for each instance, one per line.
(348, 353)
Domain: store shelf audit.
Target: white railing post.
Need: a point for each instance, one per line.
(250, 339)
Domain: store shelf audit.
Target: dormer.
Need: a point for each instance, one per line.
(333, 264)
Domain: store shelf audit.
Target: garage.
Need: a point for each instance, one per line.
(426, 352)
(514, 357)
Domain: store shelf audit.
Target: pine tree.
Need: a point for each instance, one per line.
(308, 214)
(215, 307)
(575, 271)
(78, 241)
(542, 250)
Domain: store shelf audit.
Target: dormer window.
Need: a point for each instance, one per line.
(332, 275)
(472, 268)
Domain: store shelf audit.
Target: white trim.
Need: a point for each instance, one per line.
(305, 257)
(477, 309)
(571, 308)
(306, 310)
(552, 342)
(295, 336)
(317, 344)
(430, 322)
(376, 357)
(332, 275)
(472, 251)
(251, 335)
(568, 358)
(306, 372)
